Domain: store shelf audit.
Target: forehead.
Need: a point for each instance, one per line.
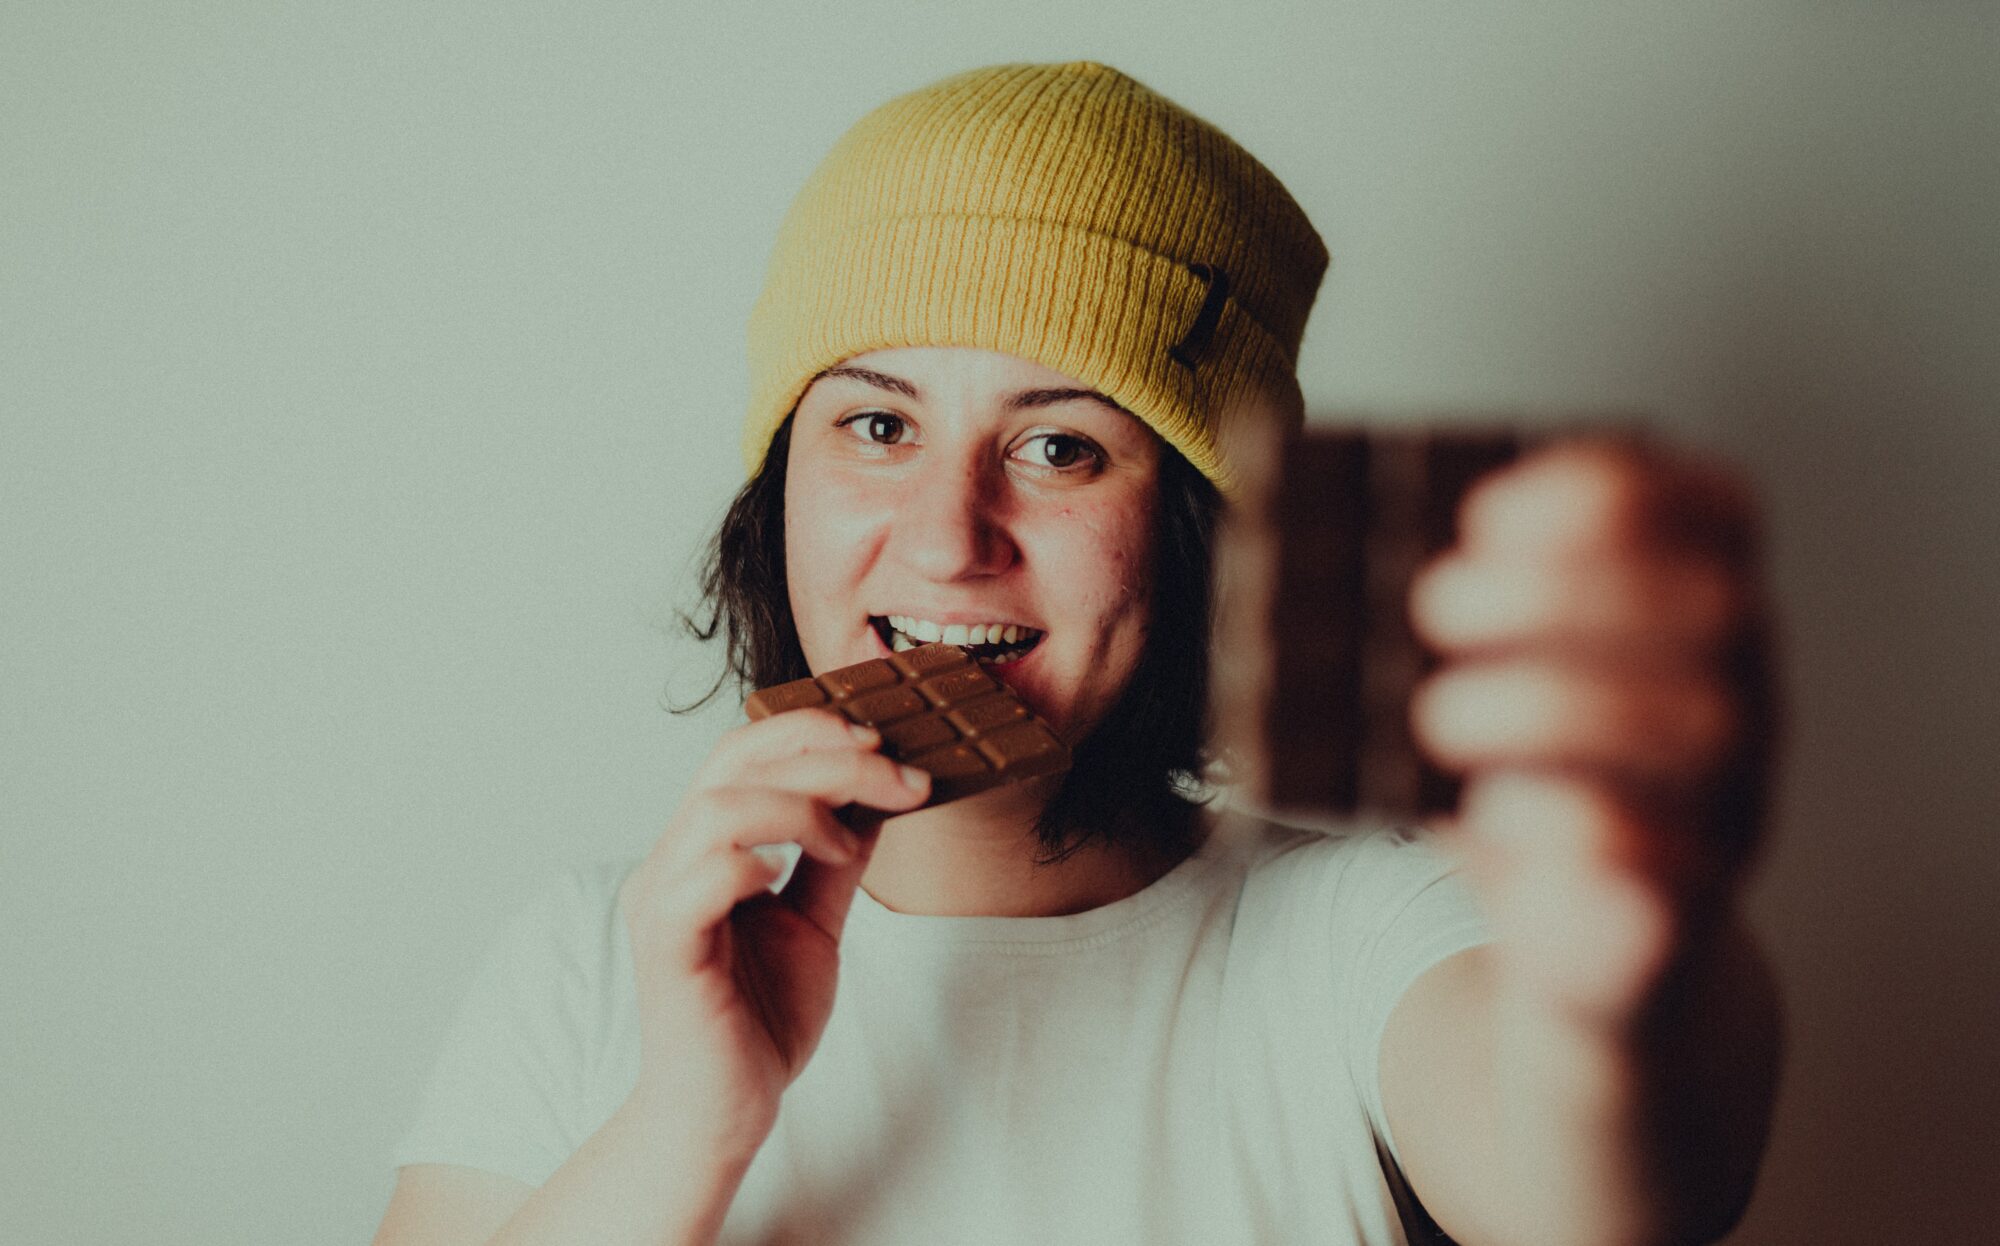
(963, 369)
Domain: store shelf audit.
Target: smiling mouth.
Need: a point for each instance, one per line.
(995, 644)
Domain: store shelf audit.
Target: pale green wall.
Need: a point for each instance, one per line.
(368, 373)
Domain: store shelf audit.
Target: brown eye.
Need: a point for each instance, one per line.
(884, 428)
(1061, 452)
(881, 428)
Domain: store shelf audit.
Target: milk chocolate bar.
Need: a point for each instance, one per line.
(937, 710)
(1315, 661)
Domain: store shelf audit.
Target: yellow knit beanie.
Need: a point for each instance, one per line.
(1064, 214)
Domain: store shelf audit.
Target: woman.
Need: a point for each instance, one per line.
(1008, 324)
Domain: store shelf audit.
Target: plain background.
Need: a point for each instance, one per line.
(370, 373)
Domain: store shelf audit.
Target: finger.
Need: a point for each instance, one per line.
(1579, 913)
(748, 817)
(688, 914)
(745, 749)
(850, 776)
(1463, 603)
(1538, 820)
(824, 893)
(1658, 725)
(1593, 495)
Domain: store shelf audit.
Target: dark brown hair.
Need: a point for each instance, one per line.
(1134, 777)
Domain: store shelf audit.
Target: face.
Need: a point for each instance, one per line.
(960, 495)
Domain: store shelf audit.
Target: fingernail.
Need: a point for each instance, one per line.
(915, 779)
(867, 735)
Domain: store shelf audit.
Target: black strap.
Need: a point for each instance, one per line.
(1189, 349)
(1418, 1227)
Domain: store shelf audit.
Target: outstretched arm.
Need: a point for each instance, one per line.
(1603, 1072)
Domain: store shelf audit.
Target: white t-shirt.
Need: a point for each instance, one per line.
(1193, 1063)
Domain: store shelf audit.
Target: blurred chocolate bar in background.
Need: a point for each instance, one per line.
(1314, 660)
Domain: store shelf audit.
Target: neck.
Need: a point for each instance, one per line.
(976, 858)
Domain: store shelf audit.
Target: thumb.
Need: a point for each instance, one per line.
(824, 893)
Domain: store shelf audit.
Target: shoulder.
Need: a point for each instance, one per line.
(562, 970)
(578, 897)
(527, 1061)
(1347, 860)
(568, 928)
(1348, 896)
(1338, 919)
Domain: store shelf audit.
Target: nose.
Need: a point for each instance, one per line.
(951, 523)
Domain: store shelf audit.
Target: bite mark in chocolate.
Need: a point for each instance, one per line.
(937, 711)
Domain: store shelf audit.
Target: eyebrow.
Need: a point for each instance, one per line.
(880, 380)
(1020, 400)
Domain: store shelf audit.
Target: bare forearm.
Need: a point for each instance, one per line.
(633, 1183)
(1644, 1134)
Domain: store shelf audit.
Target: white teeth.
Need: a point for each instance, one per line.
(907, 632)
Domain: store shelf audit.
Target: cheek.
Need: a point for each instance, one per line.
(818, 517)
(812, 547)
(1112, 568)
(831, 533)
